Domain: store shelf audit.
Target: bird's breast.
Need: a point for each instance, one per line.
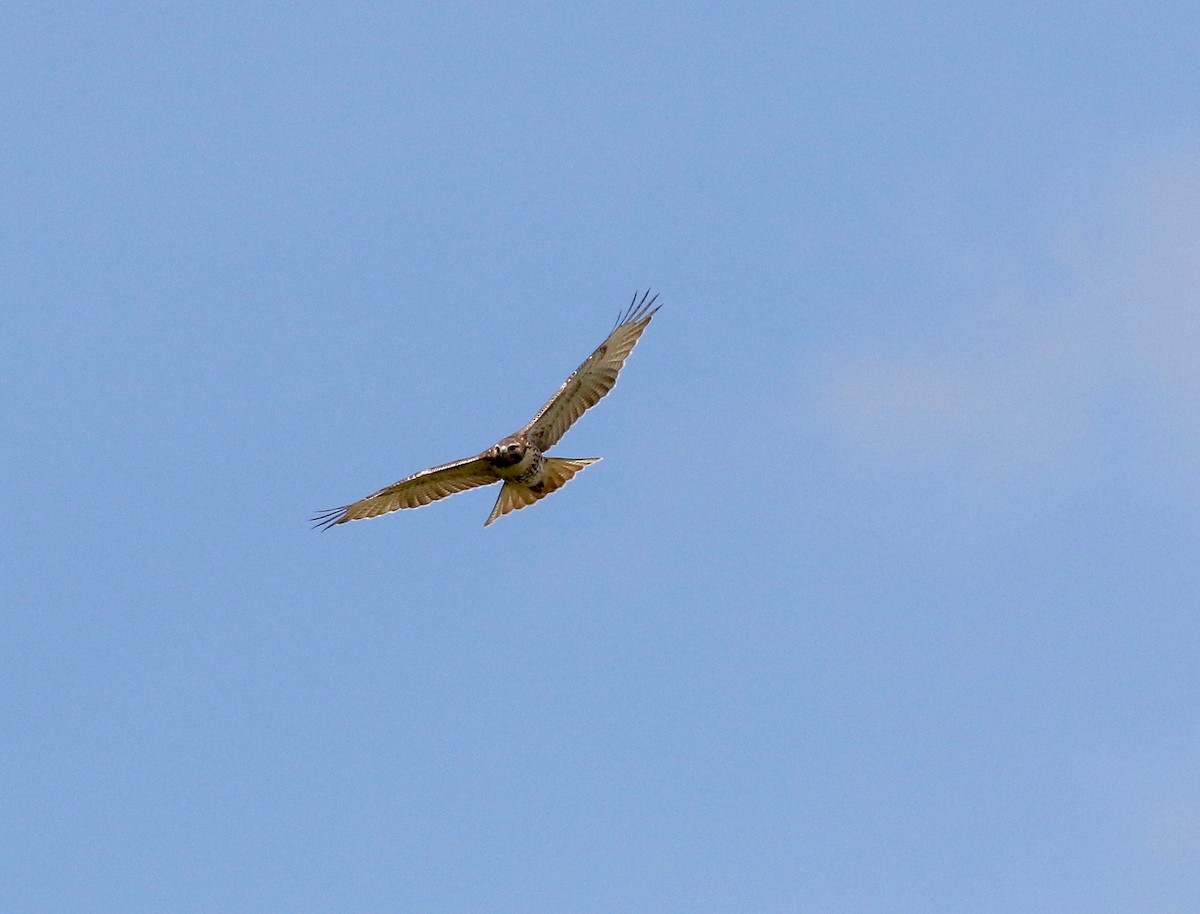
(528, 471)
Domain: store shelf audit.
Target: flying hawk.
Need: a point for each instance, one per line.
(519, 460)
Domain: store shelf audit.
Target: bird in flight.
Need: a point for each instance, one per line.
(518, 461)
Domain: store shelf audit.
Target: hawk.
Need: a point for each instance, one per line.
(518, 461)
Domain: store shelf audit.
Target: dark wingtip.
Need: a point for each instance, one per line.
(326, 519)
(638, 311)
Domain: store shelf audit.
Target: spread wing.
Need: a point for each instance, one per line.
(415, 491)
(594, 378)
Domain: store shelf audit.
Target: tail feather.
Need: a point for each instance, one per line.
(556, 473)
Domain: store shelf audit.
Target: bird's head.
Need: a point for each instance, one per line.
(507, 453)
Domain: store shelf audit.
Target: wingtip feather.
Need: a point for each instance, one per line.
(329, 518)
(638, 311)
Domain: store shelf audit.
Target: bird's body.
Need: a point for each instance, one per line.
(518, 461)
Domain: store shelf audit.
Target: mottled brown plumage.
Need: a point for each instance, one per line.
(518, 461)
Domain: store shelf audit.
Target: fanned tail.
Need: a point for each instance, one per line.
(556, 472)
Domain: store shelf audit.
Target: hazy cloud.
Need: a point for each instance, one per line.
(1032, 377)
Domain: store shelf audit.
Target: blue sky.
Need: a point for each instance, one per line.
(884, 597)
